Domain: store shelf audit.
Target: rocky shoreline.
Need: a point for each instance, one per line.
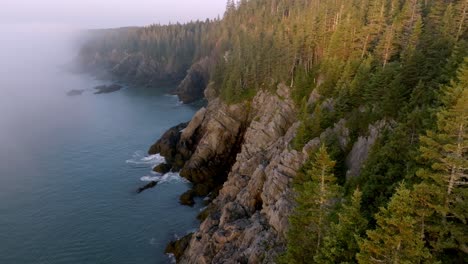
(240, 157)
(138, 69)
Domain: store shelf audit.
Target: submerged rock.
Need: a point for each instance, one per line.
(147, 186)
(162, 168)
(103, 89)
(187, 198)
(75, 92)
(178, 247)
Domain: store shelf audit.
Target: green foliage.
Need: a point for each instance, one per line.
(391, 61)
(444, 180)
(387, 165)
(173, 48)
(398, 236)
(310, 127)
(315, 202)
(341, 243)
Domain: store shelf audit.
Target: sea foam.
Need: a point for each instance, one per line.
(140, 159)
(166, 178)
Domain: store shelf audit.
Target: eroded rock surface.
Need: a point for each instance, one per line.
(361, 149)
(246, 146)
(193, 85)
(250, 216)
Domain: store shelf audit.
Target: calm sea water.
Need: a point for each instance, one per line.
(70, 166)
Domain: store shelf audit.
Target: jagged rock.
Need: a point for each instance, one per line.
(187, 198)
(340, 131)
(210, 92)
(216, 139)
(248, 220)
(195, 123)
(162, 168)
(178, 247)
(147, 186)
(362, 147)
(167, 146)
(193, 85)
(246, 224)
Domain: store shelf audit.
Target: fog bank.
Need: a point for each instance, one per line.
(107, 13)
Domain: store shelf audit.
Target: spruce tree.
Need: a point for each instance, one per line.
(446, 151)
(341, 243)
(315, 201)
(397, 238)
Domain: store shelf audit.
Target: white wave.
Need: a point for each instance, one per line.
(171, 257)
(139, 158)
(149, 178)
(166, 178)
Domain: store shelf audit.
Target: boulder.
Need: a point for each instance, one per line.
(187, 198)
(162, 168)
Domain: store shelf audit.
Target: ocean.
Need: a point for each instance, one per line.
(70, 165)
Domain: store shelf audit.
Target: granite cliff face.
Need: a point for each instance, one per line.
(193, 85)
(240, 157)
(249, 216)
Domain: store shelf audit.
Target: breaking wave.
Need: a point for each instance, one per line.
(139, 158)
(166, 178)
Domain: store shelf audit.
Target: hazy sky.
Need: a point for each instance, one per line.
(107, 13)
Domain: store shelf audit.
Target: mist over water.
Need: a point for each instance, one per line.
(70, 166)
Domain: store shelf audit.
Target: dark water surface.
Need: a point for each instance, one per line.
(70, 166)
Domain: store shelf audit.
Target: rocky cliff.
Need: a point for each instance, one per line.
(142, 69)
(240, 156)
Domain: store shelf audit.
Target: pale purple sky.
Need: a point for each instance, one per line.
(107, 13)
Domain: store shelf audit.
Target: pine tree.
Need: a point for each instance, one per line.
(446, 151)
(341, 244)
(397, 238)
(315, 201)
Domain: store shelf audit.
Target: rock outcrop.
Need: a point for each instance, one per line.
(248, 219)
(361, 149)
(193, 85)
(168, 147)
(131, 67)
(138, 68)
(242, 153)
(205, 149)
(150, 185)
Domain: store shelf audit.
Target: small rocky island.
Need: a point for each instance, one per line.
(103, 89)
